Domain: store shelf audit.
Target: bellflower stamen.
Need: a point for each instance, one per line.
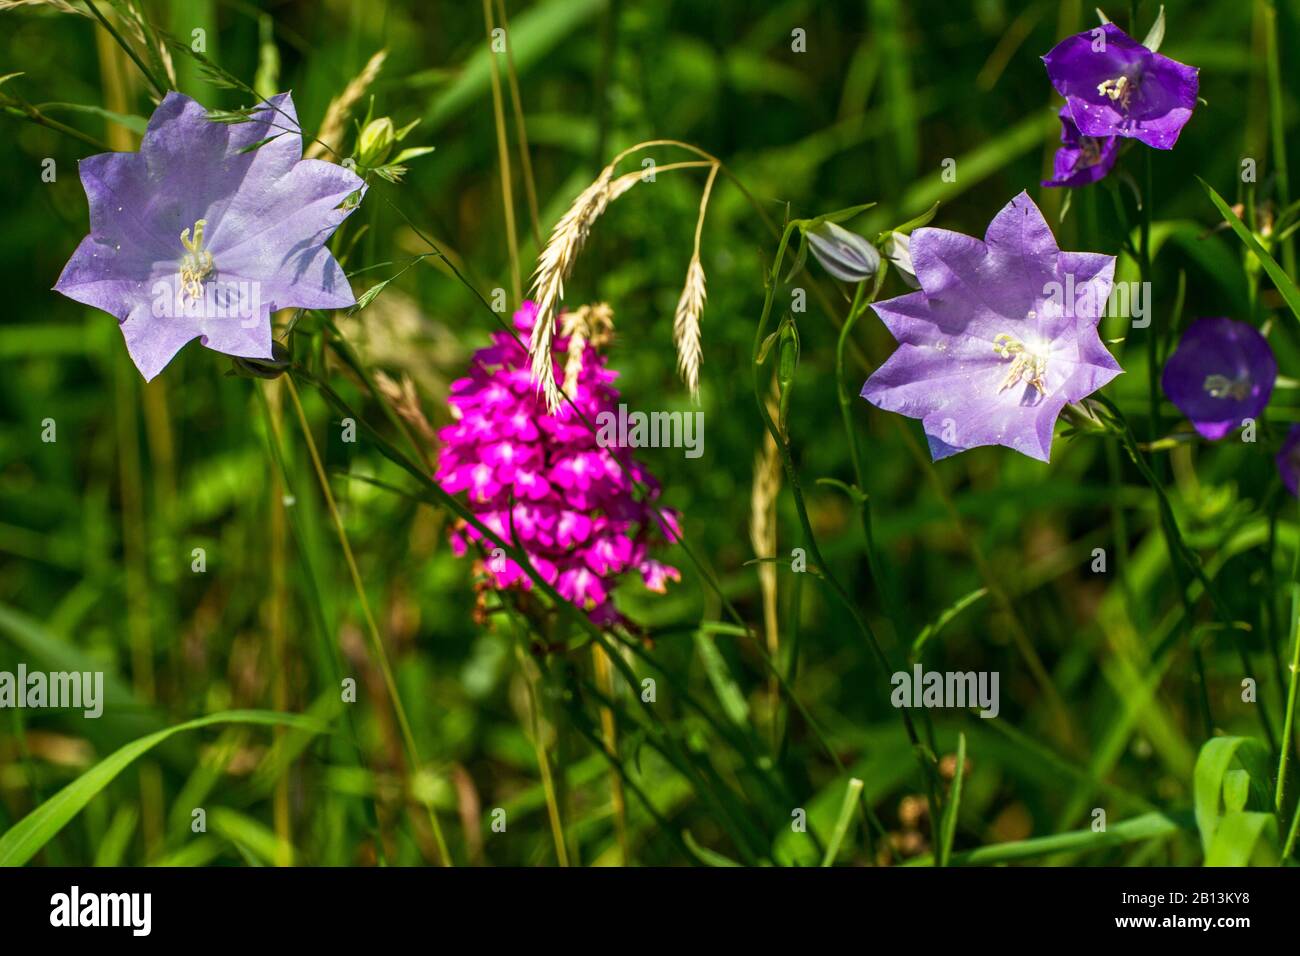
(1118, 90)
(1220, 386)
(1027, 364)
(196, 264)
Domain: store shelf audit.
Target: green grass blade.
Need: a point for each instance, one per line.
(1212, 767)
(33, 831)
(1275, 272)
(842, 824)
(1149, 826)
(948, 824)
(942, 621)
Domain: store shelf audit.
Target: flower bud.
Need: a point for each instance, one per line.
(843, 254)
(375, 142)
(898, 250)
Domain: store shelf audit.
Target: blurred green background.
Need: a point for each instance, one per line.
(98, 529)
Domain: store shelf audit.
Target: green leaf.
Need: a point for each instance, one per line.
(1275, 272)
(1239, 836)
(704, 854)
(260, 143)
(1148, 826)
(948, 822)
(413, 152)
(248, 834)
(837, 217)
(1208, 779)
(1236, 789)
(533, 34)
(916, 222)
(26, 838)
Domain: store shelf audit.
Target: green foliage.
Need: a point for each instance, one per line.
(1122, 689)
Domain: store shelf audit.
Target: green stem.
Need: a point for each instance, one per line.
(1277, 128)
(1288, 725)
(22, 110)
(1153, 339)
(810, 539)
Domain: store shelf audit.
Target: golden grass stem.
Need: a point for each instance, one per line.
(543, 762)
(521, 129)
(609, 730)
(503, 157)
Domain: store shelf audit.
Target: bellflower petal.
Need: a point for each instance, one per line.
(1000, 337)
(1114, 86)
(203, 233)
(1081, 159)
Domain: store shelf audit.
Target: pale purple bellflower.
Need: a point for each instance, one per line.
(207, 230)
(1000, 338)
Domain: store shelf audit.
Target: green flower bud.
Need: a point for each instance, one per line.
(376, 142)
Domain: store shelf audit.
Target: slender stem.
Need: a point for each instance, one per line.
(1153, 339)
(1179, 552)
(22, 110)
(381, 654)
(503, 156)
(704, 207)
(810, 539)
(609, 730)
(842, 823)
(1288, 725)
(1277, 128)
(276, 605)
(159, 88)
(543, 762)
(330, 652)
(521, 128)
(1291, 834)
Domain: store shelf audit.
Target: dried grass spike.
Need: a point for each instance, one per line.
(686, 327)
(553, 267)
